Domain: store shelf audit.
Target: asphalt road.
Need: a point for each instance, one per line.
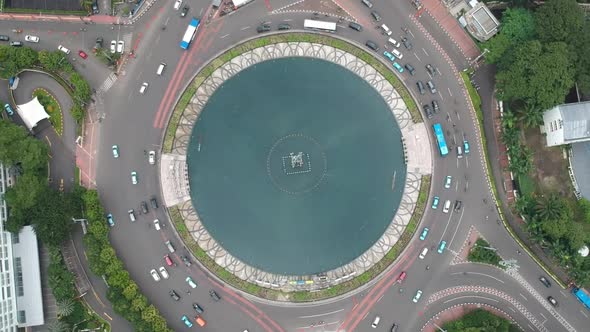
(130, 122)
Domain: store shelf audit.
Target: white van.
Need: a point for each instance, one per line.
(375, 322)
(367, 3)
(63, 49)
(394, 42)
(170, 247)
(386, 29)
(157, 224)
(459, 152)
(397, 54)
(131, 215)
(423, 253)
(447, 206)
(144, 87)
(161, 68)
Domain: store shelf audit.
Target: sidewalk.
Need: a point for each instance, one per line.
(94, 19)
(484, 77)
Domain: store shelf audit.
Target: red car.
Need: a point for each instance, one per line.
(402, 277)
(168, 260)
(82, 54)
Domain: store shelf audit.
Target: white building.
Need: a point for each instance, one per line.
(21, 302)
(567, 124)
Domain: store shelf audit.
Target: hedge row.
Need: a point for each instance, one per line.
(123, 293)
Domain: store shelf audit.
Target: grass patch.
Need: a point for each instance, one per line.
(51, 107)
(285, 38)
(475, 98)
(304, 296)
(526, 185)
(482, 253)
(45, 11)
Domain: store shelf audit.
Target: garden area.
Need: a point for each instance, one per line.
(541, 56)
(482, 252)
(52, 108)
(480, 320)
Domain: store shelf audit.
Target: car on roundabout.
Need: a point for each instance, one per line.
(174, 295)
(115, 151)
(186, 321)
(214, 295)
(110, 220)
(168, 260)
(152, 157)
(389, 56)
(184, 11)
(191, 282)
(82, 54)
(442, 246)
(134, 177)
(417, 296)
(424, 233)
(198, 308)
(448, 181)
(545, 281)
(397, 66)
(435, 201)
(466, 146)
(32, 39)
(164, 272)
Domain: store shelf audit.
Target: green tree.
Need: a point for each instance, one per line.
(530, 115)
(26, 57)
(521, 160)
(524, 205)
(86, 4)
(58, 326)
(518, 25)
(65, 307)
(511, 137)
(82, 90)
(550, 207)
(584, 206)
(581, 46)
(558, 20)
(537, 74)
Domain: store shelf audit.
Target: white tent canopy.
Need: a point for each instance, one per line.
(31, 113)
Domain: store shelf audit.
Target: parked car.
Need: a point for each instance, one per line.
(372, 45)
(131, 215)
(82, 54)
(376, 16)
(174, 295)
(31, 39)
(8, 110)
(402, 276)
(185, 260)
(120, 46)
(16, 43)
(398, 67)
(95, 10)
(4, 38)
(186, 321)
(113, 46)
(157, 224)
(154, 202)
(389, 56)
(98, 44)
(169, 260)
(63, 49)
(397, 53)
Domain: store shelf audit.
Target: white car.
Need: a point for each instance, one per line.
(115, 151)
(120, 46)
(397, 54)
(157, 224)
(32, 39)
(155, 275)
(134, 177)
(177, 4)
(152, 157)
(113, 46)
(143, 87)
(417, 296)
(63, 49)
(163, 272)
(190, 282)
(448, 181)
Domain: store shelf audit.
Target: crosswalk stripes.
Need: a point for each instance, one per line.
(127, 37)
(106, 85)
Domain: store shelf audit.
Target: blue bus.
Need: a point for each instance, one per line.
(440, 139)
(582, 296)
(189, 34)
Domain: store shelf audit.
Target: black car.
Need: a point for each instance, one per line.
(154, 202)
(427, 110)
(372, 45)
(198, 308)
(394, 328)
(458, 205)
(263, 28)
(407, 43)
(95, 8)
(376, 16)
(16, 43)
(545, 282)
(355, 26)
(214, 295)
(184, 11)
(284, 26)
(186, 261)
(431, 70)
(410, 69)
(144, 208)
(420, 86)
(174, 295)
(4, 38)
(435, 106)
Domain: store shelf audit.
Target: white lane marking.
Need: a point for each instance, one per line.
(244, 28)
(458, 117)
(564, 294)
(471, 296)
(512, 309)
(440, 94)
(456, 229)
(523, 297)
(201, 12)
(425, 51)
(530, 327)
(450, 94)
(483, 274)
(288, 20)
(410, 31)
(380, 297)
(416, 55)
(324, 314)
(466, 162)
(583, 313)
(543, 316)
(438, 71)
(224, 36)
(367, 314)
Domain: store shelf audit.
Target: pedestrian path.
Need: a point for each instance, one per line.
(108, 82)
(127, 38)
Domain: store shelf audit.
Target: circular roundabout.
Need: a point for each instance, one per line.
(292, 164)
(288, 167)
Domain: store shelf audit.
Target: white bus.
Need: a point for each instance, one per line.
(319, 25)
(189, 34)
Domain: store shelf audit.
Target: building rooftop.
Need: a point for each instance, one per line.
(481, 23)
(576, 120)
(579, 162)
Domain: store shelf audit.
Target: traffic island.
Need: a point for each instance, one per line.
(52, 108)
(299, 161)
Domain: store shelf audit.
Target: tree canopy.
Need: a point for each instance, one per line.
(518, 25)
(558, 20)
